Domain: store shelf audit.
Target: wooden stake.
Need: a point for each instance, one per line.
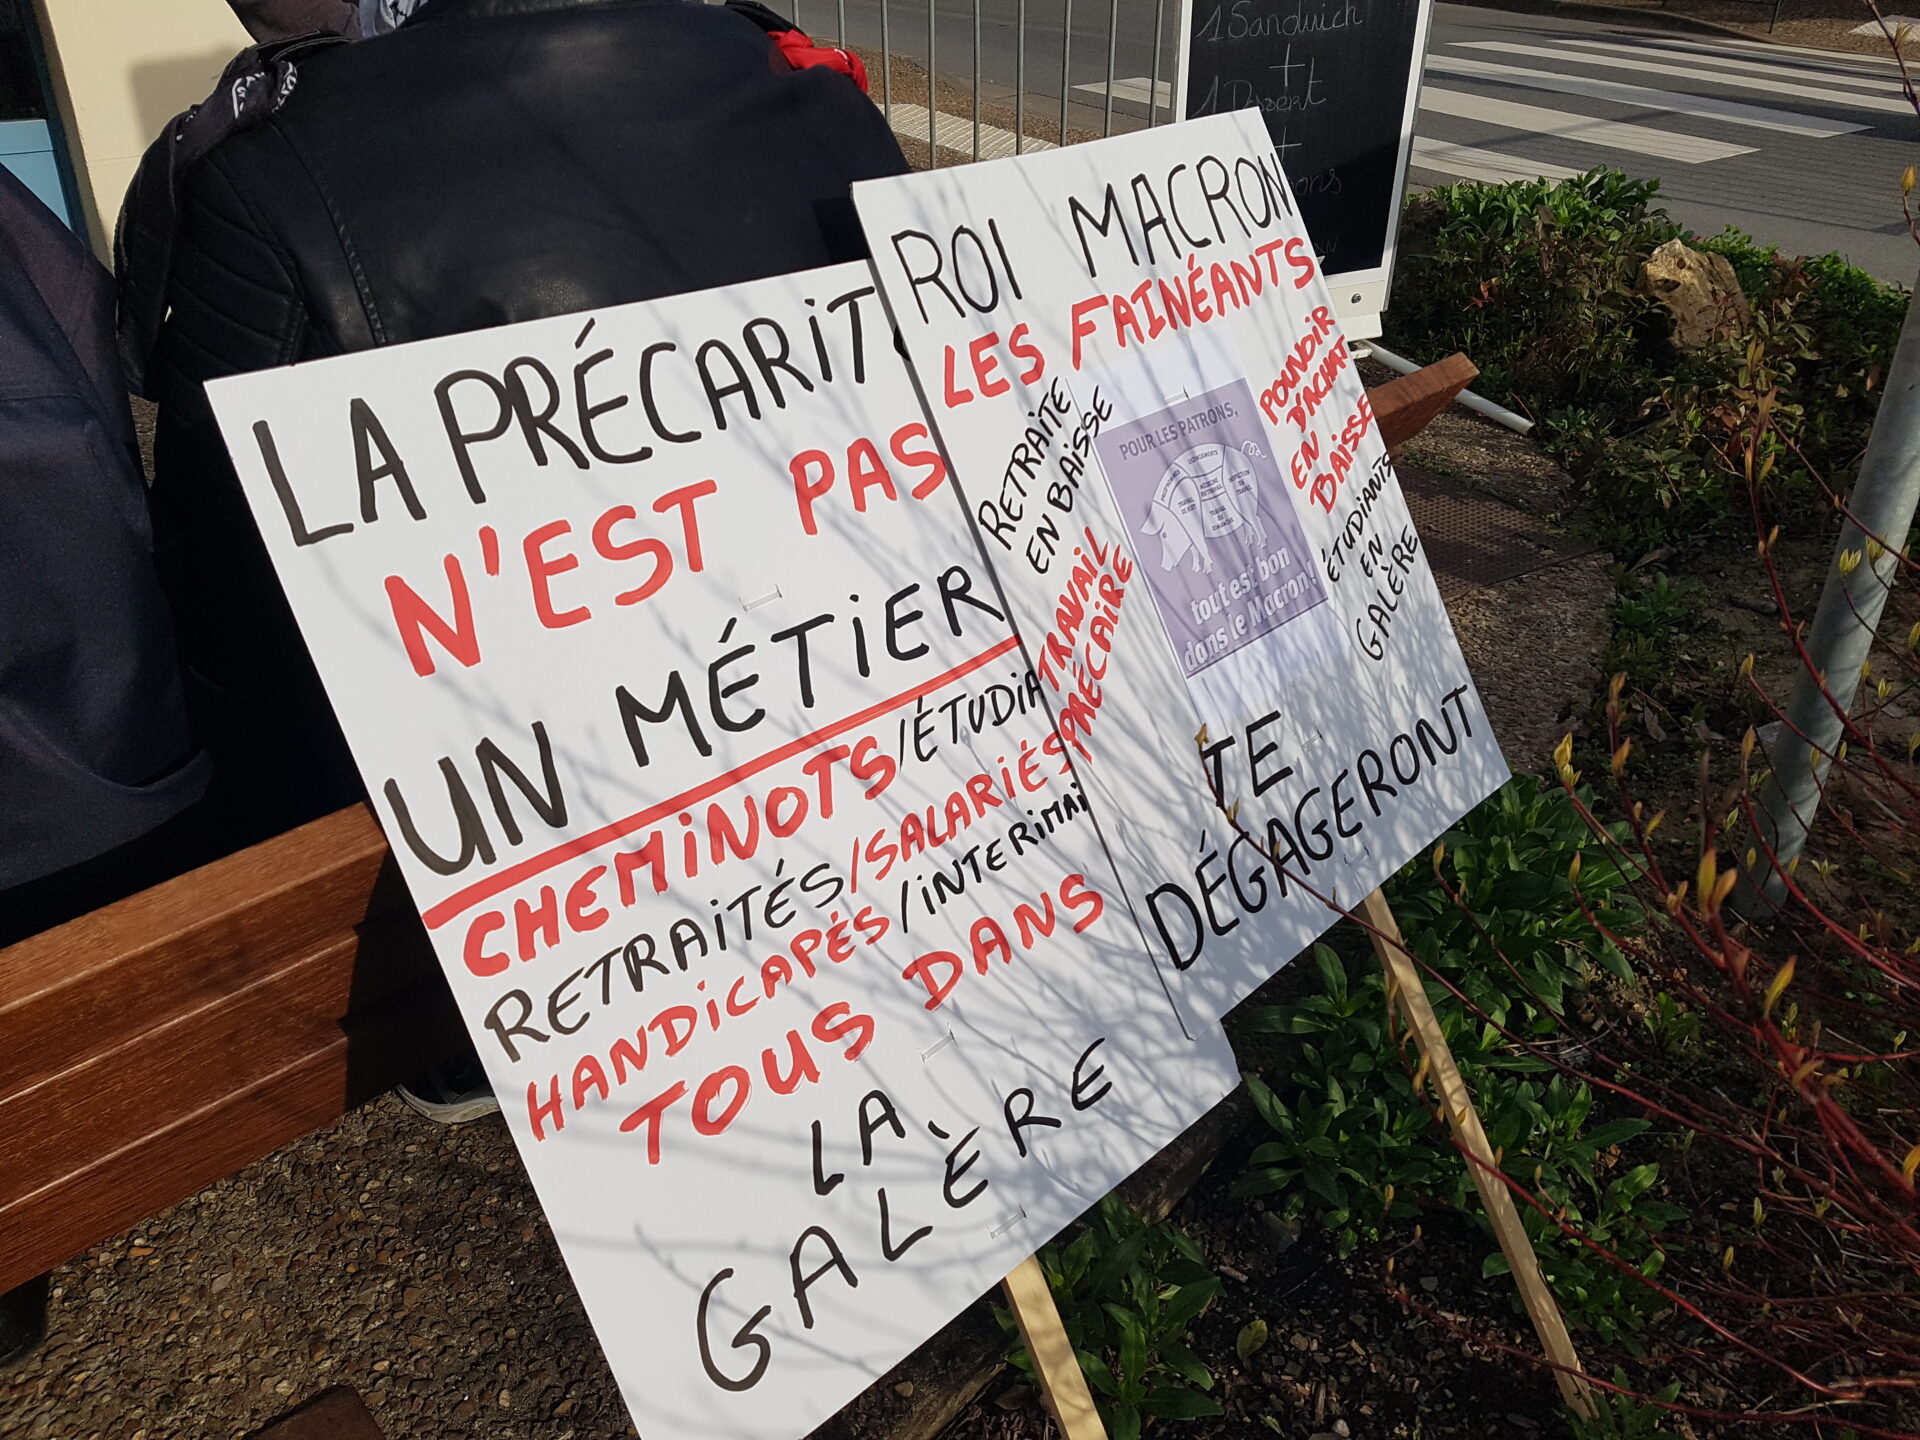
(1404, 986)
(1054, 1362)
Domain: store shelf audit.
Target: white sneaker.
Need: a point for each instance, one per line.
(450, 1093)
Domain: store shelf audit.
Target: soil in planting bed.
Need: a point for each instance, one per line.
(1354, 1348)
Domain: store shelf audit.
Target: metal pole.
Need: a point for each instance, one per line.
(1113, 48)
(840, 20)
(1153, 74)
(933, 95)
(886, 66)
(1020, 77)
(1880, 512)
(1066, 54)
(976, 79)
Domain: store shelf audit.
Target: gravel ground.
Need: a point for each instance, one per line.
(1533, 643)
(1534, 646)
(404, 1258)
(411, 1261)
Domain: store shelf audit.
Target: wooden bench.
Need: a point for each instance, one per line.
(151, 1047)
(1407, 405)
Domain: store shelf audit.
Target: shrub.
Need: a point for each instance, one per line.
(1778, 1061)
(1539, 284)
(1356, 1148)
(1536, 283)
(1622, 1417)
(1647, 621)
(1128, 1293)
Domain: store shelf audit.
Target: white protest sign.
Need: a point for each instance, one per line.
(1128, 349)
(760, 874)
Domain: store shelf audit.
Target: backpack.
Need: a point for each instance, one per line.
(255, 83)
(94, 747)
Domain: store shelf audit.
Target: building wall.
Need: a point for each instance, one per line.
(121, 70)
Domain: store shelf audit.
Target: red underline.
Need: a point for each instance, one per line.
(438, 915)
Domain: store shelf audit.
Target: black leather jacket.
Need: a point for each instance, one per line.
(492, 161)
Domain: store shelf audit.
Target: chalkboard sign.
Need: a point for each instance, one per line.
(1337, 82)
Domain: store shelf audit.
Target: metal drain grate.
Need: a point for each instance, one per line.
(1473, 540)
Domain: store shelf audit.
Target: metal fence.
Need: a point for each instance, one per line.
(1002, 77)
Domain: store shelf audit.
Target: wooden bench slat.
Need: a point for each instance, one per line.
(194, 1059)
(182, 1154)
(95, 982)
(165, 1041)
(1406, 406)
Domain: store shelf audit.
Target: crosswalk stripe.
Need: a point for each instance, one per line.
(1134, 89)
(1848, 99)
(1707, 107)
(1469, 162)
(1751, 67)
(1891, 24)
(955, 132)
(1588, 130)
(1761, 47)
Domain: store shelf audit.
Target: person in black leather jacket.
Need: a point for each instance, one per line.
(491, 161)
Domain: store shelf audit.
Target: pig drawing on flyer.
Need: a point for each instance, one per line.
(1131, 358)
(764, 876)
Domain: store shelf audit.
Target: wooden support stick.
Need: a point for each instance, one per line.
(1054, 1362)
(1404, 986)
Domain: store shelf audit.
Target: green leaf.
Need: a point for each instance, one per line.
(1251, 1339)
(1274, 1152)
(1096, 1371)
(1188, 1302)
(1077, 1257)
(1615, 1132)
(1333, 971)
(1187, 1246)
(1323, 1180)
(1133, 1347)
(1268, 1020)
(1176, 1402)
(1122, 1260)
(1263, 1182)
(1186, 1364)
(1271, 1109)
(1523, 1064)
(1495, 1264)
(1630, 1186)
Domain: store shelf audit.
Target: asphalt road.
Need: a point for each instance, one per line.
(1802, 149)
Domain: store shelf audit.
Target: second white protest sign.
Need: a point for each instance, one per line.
(1129, 353)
